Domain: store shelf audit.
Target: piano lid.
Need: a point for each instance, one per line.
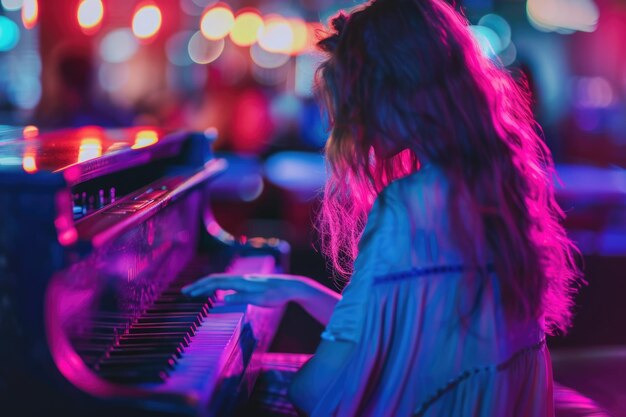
(83, 153)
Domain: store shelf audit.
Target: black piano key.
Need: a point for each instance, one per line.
(146, 360)
(132, 376)
(147, 342)
(189, 331)
(134, 350)
(146, 348)
(174, 309)
(180, 339)
(172, 318)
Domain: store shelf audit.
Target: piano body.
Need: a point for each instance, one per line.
(99, 229)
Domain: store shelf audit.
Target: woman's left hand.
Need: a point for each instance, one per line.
(260, 289)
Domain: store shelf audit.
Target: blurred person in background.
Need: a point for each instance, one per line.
(440, 209)
(74, 102)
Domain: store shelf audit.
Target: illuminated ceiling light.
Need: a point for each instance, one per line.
(246, 28)
(30, 13)
(563, 16)
(89, 15)
(9, 34)
(300, 36)
(204, 51)
(145, 138)
(217, 22)
(118, 46)
(147, 22)
(277, 35)
(12, 5)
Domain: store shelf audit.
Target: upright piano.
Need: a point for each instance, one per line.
(99, 230)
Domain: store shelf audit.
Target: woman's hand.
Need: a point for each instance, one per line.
(259, 289)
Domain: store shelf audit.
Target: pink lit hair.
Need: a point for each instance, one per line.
(408, 72)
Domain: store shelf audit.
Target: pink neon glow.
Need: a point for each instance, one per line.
(71, 174)
(65, 357)
(64, 222)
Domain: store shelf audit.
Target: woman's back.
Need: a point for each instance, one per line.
(431, 337)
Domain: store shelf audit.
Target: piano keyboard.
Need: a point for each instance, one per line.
(182, 345)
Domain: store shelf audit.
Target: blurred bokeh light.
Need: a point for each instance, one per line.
(147, 21)
(217, 22)
(118, 46)
(277, 35)
(246, 28)
(89, 15)
(12, 5)
(30, 13)
(204, 51)
(9, 34)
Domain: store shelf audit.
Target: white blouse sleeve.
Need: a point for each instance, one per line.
(383, 249)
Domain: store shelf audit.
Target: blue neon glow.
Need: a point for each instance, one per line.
(9, 34)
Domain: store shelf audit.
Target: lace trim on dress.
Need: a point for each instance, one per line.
(453, 383)
(429, 270)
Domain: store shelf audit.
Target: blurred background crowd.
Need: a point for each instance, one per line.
(244, 69)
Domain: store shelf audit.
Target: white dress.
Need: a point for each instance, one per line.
(423, 346)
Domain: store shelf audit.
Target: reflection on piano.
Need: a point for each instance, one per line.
(98, 232)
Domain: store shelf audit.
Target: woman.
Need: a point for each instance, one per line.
(440, 207)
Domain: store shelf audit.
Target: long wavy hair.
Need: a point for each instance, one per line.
(409, 73)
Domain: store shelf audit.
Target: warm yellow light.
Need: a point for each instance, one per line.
(246, 28)
(89, 148)
(300, 36)
(312, 29)
(276, 35)
(89, 15)
(147, 21)
(30, 131)
(217, 23)
(29, 163)
(30, 13)
(145, 138)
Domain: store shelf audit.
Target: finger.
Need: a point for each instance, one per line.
(226, 277)
(235, 298)
(247, 277)
(242, 298)
(210, 284)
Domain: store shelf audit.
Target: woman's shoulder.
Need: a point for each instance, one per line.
(423, 191)
(426, 178)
